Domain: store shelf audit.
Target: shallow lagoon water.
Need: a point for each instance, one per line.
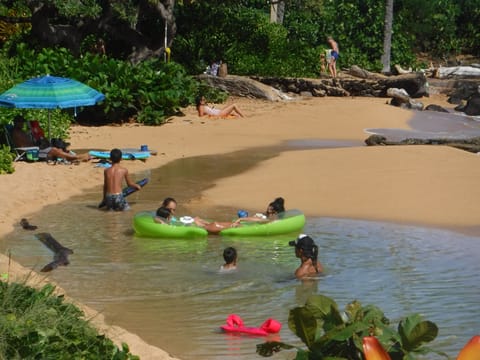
(171, 294)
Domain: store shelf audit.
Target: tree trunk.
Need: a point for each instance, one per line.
(277, 11)
(387, 36)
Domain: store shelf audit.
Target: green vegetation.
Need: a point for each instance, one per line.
(240, 33)
(6, 160)
(329, 334)
(150, 91)
(36, 324)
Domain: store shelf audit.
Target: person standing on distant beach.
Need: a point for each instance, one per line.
(112, 183)
(332, 65)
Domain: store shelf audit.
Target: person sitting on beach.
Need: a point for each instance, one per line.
(112, 183)
(230, 257)
(307, 251)
(204, 109)
(22, 138)
(163, 215)
(170, 204)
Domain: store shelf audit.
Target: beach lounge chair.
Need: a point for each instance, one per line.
(28, 153)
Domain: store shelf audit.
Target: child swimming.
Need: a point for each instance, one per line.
(230, 257)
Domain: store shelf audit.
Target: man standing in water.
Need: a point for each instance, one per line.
(112, 183)
(332, 65)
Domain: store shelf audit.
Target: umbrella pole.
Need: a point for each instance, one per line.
(49, 133)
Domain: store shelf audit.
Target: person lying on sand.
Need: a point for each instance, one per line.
(22, 138)
(203, 109)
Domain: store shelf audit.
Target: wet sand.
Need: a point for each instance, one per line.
(425, 185)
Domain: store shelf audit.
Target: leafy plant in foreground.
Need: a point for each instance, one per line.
(329, 334)
(6, 160)
(36, 324)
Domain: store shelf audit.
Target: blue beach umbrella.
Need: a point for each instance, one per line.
(50, 92)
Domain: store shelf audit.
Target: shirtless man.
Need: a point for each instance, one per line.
(112, 183)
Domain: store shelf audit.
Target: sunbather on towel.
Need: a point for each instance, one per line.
(21, 138)
(203, 109)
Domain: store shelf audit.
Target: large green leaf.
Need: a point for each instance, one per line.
(302, 322)
(325, 309)
(414, 331)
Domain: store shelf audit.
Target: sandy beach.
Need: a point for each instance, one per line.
(431, 186)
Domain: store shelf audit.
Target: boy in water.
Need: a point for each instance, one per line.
(230, 257)
(112, 183)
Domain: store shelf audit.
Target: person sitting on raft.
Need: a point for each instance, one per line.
(276, 207)
(214, 227)
(171, 204)
(203, 109)
(307, 251)
(163, 215)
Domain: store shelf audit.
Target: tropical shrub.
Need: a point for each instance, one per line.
(36, 324)
(148, 92)
(6, 160)
(328, 333)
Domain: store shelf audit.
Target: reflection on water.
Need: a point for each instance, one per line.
(434, 125)
(171, 294)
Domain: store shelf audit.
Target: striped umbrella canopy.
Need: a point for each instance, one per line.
(50, 92)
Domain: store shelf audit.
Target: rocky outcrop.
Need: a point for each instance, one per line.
(473, 105)
(357, 83)
(471, 145)
(401, 98)
(348, 85)
(243, 86)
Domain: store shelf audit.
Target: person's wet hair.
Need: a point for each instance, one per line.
(229, 255)
(163, 212)
(278, 205)
(116, 155)
(308, 247)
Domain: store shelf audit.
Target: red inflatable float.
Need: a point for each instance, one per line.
(235, 325)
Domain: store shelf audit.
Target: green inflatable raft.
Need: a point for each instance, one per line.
(288, 222)
(145, 226)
